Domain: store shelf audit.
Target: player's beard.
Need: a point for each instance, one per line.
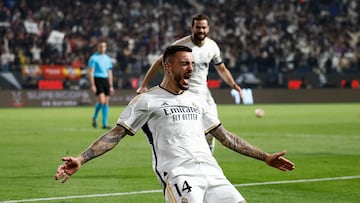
(200, 36)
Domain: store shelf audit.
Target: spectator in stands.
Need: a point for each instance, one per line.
(286, 29)
(7, 59)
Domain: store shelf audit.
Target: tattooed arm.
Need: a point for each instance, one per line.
(103, 144)
(235, 143)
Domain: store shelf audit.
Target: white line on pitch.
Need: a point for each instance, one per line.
(297, 181)
(157, 191)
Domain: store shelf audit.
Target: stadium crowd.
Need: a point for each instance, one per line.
(255, 36)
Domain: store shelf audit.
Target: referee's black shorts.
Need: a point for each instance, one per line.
(102, 86)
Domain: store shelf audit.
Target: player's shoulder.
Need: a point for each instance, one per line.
(210, 41)
(153, 89)
(152, 92)
(147, 97)
(183, 41)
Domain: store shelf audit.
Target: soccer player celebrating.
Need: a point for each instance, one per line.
(204, 50)
(175, 121)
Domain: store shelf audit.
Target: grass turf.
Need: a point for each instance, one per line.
(322, 139)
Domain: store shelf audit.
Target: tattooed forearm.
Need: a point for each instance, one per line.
(88, 155)
(105, 143)
(237, 144)
(110, 139)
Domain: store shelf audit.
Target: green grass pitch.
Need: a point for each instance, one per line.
(322, 139)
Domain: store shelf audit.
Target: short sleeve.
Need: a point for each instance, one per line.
(110, 62)
(91, 62)
(217, 54)
(210, 118)
(135, 114)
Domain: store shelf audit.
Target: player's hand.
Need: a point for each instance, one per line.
(141, 90)
(237, 88)
(277, 160)
(70, 166)
(93, 88)
(112, 91)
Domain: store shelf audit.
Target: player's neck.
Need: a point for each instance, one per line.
(196, 41)
(171, 88)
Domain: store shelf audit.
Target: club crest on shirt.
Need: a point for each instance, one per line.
(194, 105)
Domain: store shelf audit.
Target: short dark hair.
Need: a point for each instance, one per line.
(199, 17)
(173, 49)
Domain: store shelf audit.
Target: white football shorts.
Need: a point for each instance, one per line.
(204, 186)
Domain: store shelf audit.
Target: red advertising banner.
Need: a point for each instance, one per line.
(50, 85)
(53, 72)
(56, 72)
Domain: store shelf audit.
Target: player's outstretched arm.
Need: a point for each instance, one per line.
(239, 145)
(103, 144)
(225, 75)
(149, 75)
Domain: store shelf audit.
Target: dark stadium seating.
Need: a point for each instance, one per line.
(271, 40)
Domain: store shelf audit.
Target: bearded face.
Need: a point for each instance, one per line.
(200, 30)
(180, 69)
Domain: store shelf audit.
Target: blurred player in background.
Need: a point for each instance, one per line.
(205, 50)
(101, 81)
(175, 122)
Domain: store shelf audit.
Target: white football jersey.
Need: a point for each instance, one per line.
(175, 125)
(203, 55)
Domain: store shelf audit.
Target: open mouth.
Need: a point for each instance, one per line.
(187, 78)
